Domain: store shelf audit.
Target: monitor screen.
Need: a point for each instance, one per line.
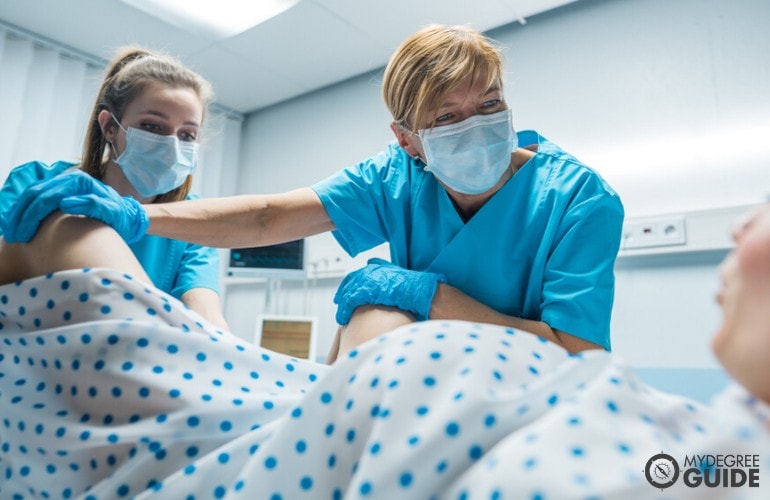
(284, 260)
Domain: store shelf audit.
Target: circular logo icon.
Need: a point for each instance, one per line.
(661, 470)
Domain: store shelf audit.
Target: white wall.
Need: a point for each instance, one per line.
(668, 100)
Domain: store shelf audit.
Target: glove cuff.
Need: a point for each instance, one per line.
(141, 222)
(423, 314)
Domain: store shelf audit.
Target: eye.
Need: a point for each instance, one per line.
(492, 104)
(187, 136)
(443, 119)
(152, 127)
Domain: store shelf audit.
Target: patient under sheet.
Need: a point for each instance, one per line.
(112, 389)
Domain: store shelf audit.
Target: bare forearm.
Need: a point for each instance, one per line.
(205, 302)
(241, 221)
(229, 222)
(451, 303)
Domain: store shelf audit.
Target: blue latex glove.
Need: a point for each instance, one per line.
(386, 284)
(74, 193)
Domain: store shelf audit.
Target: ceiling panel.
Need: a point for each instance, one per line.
(310, 46)
(314, 44)
(397, 19)
(239, 84)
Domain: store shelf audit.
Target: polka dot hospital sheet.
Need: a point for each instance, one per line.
(112, 389)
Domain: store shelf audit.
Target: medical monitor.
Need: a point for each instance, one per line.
(281, 261)
(295, 336)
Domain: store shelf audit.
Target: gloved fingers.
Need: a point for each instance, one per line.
(350, 301)
(93, 206)
(383, 283)
(21, 222)
(86, 204)
(356, 289)
(353, 280)
(38, 201)
(343, 315)
(14, 232)
(340, 293)
(379, 261)
(140, 222)
(124, 214)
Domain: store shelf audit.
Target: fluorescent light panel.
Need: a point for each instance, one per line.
(214, 19)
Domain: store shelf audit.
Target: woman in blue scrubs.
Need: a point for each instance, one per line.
(142, 141)
(484, 224)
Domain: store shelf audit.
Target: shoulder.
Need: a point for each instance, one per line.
(392, 158)
(565, 171)
(390, 167)
(547, 151)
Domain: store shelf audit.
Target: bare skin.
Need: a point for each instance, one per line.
(366, 323)
(79, 242)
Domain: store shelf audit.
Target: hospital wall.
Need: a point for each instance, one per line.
(668, 100)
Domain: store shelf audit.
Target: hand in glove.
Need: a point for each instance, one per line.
(74, 193)
(383, 283)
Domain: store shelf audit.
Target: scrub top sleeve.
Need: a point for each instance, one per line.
(579, 280)
(199, 268)
(25, 175)
(363, 200)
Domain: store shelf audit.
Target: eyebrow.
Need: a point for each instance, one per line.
(164, 116)
(449, 104)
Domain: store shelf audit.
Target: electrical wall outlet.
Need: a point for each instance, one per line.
(654, 232)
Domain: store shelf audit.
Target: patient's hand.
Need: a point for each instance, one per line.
(75, 193)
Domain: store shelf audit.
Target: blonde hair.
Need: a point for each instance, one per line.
(430, 64)
(132, 70)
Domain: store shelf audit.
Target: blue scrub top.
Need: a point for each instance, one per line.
(173, 266)
(542, 248)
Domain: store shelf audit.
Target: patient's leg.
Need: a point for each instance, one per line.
(367, 323)
(67, 242)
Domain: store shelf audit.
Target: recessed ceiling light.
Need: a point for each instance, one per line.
(213, 19)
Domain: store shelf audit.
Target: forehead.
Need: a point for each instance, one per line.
(173, 102)
(468, 90)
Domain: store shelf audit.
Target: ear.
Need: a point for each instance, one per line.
(107, 124)
(404, 138)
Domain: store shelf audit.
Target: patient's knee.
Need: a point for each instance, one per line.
(57, 240)
(70, 242)
(379, 317)
(11, 262)
(368, 322)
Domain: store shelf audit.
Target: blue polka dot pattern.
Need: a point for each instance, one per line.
(112, 389)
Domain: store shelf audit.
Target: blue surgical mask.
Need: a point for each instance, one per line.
(156, 164)
(470, 156)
